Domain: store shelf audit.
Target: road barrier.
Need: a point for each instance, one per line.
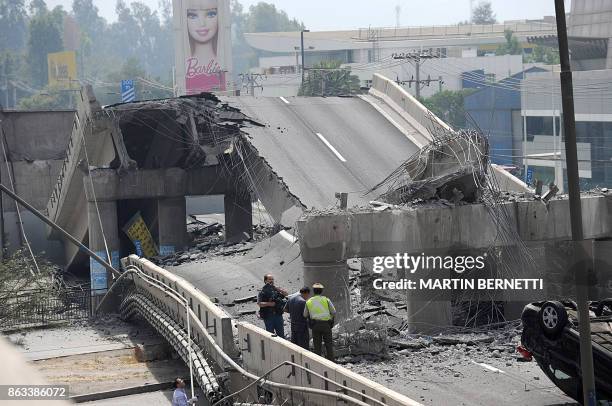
(288, 373)
(261, 351)
(217, 322)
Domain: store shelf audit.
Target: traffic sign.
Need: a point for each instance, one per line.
(128, 91)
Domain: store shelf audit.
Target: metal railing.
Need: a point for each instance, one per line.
(373, 33)
(43, 307)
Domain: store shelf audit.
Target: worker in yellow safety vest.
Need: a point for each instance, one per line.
(320, 313)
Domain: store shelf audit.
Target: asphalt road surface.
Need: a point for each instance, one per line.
(320, 146)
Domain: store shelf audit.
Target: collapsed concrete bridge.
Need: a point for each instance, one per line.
(292, 154)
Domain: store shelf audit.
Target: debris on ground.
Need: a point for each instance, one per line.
(208, 240)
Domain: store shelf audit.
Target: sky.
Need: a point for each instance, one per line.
(344, 14)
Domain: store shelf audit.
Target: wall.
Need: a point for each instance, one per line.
(490, 110)
(36, 143)
(592, 19)
(541, 97)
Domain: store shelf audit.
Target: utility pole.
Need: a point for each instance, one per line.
(302, 48)
(417, 57)
(571, 156)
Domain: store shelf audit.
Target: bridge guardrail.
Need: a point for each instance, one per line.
(406, 105)
(85, 109)
(217, 322)
(422, 119)
(261, 352)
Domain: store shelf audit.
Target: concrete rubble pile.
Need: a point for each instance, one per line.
(201, 128)
(452, 168)
(208, 241)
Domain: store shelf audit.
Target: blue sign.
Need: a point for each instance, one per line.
(128, 91)
(529, 177)
(138, 248)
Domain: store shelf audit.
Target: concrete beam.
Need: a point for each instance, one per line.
(336, 236)
(154, 183)
(238, 214)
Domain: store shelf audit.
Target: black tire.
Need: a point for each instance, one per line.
(553, 318)
(601, 305)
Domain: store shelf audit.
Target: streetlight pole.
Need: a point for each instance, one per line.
(302, 48)
(571, 156)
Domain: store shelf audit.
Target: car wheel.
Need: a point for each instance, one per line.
(604, 306)
(553, 318)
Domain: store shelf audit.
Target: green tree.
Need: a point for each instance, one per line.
(49, 98)
(262, 17)
(542, 54)
(511, 47)
(45, 36)
(449, 106)
(327, 79)
(483, 13)
(131, 69)
(265, 17)
(13, 25)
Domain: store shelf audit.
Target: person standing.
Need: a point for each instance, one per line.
(320, 312)
(179, 397)
(271, 302)
(299, 326)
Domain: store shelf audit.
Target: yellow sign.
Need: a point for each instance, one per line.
(138, 232)
(63, 70)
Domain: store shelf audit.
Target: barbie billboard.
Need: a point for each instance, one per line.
(202, 30)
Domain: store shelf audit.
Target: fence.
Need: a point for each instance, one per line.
(43, 307)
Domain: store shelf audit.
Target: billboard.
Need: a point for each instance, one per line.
(203, 45)
(62, 70)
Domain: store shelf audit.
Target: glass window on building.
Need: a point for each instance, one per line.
(544, 173)
(537, 125)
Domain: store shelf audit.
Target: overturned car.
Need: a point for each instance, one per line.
(550, 335)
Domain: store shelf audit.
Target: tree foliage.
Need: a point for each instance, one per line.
(105, 51)
(264, 17)
(13, 25)
(511, 47)
(449, 106)
(483, 13)
(261, 17)
(44, 37)
(327, 79)
(18, 278)
(542, 54)
(49, 98)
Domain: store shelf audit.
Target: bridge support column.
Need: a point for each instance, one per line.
(238, 214)
(172, 219)
(101, 227)
(335, 277)
(428, 317)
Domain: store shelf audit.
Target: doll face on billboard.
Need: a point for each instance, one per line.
(202, 22)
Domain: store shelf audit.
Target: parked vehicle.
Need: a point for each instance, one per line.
(550, 335)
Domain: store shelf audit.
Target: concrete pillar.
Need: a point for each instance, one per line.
(172, 224)
(335, 277)
(428, 317)
(238, 215)
(99, 276)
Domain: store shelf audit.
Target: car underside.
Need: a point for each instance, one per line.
(550, 335)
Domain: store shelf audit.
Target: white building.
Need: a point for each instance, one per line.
(456, 49)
